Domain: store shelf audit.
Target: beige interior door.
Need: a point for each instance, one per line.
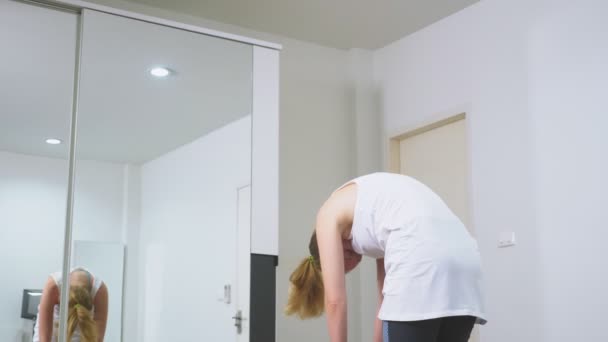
(437, 156)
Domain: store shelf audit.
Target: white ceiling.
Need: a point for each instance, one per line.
(125, 114)
(342, 24)
(35, 78)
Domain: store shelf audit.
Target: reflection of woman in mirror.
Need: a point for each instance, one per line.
(87, 308)
(428, 265)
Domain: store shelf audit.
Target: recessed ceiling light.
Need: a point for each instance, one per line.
(53, 141)
(160, 72)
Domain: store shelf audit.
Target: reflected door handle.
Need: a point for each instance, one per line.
(238, 321)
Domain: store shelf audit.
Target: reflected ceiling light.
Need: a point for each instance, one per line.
(160, 72)
(53, 141)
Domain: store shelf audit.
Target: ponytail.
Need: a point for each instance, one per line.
(80, 315)
(306, 292)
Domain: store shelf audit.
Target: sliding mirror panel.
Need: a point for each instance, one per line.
(163, 170)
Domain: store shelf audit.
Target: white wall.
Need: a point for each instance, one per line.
(32, 219)
(316, 156)
(98, 201)
(131, 236)
(529, 75)
(368, 145)
(568, 69)
(188, 236)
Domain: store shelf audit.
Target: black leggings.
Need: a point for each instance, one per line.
(446, 329)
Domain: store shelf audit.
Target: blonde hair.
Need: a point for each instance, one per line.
(80, 314)
(306, 292)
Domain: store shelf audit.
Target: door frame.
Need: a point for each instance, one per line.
(242, 285)
(393, 148)
(394, 142)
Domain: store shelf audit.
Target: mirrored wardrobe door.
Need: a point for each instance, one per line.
(163, 153)
(37, 63)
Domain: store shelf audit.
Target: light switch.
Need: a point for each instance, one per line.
(225, 294)
(506, 239)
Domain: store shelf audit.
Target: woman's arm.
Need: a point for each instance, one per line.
(380, 280)
(101, 311)
(50, 298)
(329, 240)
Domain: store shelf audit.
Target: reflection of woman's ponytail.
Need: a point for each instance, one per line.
(306, 293)
(80, 315)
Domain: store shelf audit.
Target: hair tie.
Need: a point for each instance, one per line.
(311, 259)
(76, 306)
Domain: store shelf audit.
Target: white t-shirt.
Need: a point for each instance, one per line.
(432, 263)
(57, 278)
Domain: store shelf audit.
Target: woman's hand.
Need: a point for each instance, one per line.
(380, 273)
(101, 311)
(50, 298)
(329, 240)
